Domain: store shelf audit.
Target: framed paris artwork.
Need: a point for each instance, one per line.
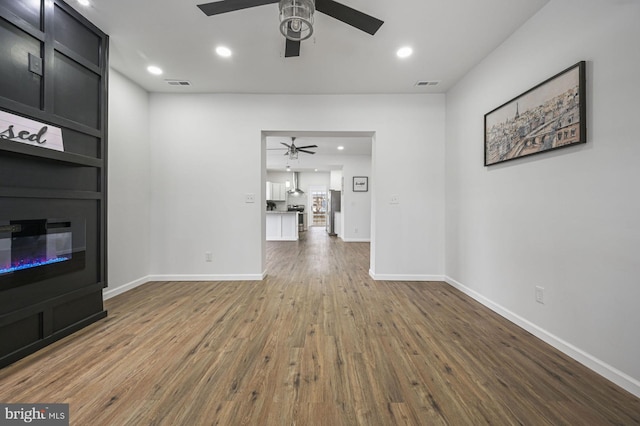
(548, 116)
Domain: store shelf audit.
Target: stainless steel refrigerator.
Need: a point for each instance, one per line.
(333, 206)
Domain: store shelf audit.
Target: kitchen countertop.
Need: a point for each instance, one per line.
(279, 212)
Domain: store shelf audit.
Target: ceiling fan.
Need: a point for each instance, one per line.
(293, 150)
(296, 17)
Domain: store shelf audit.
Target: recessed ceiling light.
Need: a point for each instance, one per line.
(223, 51)
(84, 2)
(154, 70)
(404, 52)
(340, 148)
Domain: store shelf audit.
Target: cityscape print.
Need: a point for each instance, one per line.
(546, 117)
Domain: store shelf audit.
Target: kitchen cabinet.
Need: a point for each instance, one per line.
(279, 192)
(276, 191)
(282, 226)
(269, 191)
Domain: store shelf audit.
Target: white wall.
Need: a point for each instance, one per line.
(356, 206)
(566, 220)
(408, 167)
(207, 153)
(336, 177)
(128, 185)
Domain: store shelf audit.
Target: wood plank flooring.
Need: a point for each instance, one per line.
(316, 343)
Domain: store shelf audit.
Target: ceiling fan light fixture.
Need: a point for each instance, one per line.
(296, 19)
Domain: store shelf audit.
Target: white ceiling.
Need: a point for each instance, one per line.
(449, 37)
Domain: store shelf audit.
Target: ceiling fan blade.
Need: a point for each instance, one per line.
(349, 16)
(304, 150)
(308, 146)
(285, 144)
(224, 6)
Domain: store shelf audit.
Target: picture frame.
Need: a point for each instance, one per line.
(549, 116)
(360, 184)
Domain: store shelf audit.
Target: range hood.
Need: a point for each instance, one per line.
(295, 192)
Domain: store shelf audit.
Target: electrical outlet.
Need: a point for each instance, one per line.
(355, 231)
(250, 198)
(35, 64)
(208, 256)
(395, 199)
(540, 294)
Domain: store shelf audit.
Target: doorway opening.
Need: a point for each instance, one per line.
(335, 159)
(319, 208)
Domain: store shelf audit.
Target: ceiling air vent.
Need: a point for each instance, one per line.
(178, 83)
(423, 83)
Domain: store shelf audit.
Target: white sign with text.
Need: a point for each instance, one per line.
(24, 130)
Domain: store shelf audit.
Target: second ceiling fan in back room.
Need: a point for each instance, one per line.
(296, 17)
(292, 150)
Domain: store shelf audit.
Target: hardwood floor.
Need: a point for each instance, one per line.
(318, 342)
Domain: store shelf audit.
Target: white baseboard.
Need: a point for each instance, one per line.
(109, 292)
(356, 240)
(188, 277)
(616, 376)
(401, 277)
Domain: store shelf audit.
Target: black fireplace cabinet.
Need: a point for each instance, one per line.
(53, 203)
